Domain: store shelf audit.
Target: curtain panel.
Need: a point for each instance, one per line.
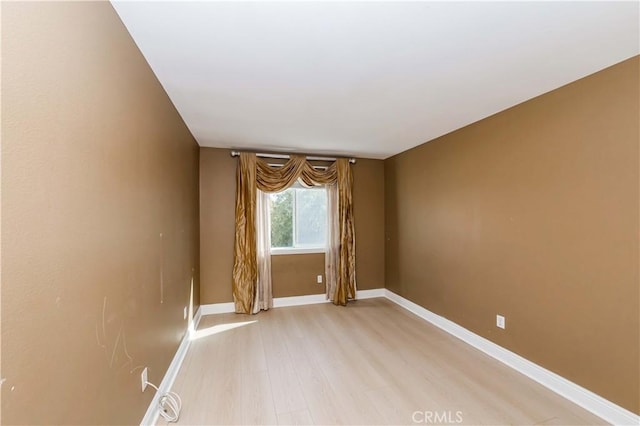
(252, 174)
(263, 297)
(346, 280)
(245, 263)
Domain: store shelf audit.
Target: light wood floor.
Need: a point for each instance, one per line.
(369, 363)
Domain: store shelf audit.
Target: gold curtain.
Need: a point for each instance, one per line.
(276, 179)
(253, 173)
(346, 279)
(245, 263)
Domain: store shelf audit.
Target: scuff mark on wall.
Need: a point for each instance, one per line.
(104, 333)
(116, 353)
(129, 357)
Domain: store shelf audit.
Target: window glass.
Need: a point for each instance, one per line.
(299, 218)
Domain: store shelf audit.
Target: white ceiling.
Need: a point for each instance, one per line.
(369, 79)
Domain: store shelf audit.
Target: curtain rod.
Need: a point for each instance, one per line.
(285, 156)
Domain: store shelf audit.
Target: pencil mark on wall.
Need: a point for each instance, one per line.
(104, 333)
(115, 346)
(115, 349)
(102, 345)
(129, 357)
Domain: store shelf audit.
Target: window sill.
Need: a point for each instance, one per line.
(289, 250)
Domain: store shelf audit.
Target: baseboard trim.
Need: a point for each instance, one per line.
(588, 400)
(193, 326)
(151, 416)
(217, 308)
(370, 294)
(310, 299)
(281, 302)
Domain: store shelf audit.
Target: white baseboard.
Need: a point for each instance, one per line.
(370, 294)
(281, 302)
(217, 308)
(588, 400)
(310, 299)
(151, 416)
(196, 320)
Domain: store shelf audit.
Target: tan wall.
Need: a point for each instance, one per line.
(217, 224)
(292, 275)
(533, 214)
(96, 164)
(296, 275)
(368, 209)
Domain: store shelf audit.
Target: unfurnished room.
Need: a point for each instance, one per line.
(320, 212)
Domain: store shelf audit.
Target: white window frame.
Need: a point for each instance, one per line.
(278, 251)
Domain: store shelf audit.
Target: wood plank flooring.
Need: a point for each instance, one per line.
(370, 363)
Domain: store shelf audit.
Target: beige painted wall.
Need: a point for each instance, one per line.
(295, 275)
(532, 213)
(292, 275)
(96, 164)
(217, 224)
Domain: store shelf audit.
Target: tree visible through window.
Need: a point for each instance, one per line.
(299, 217)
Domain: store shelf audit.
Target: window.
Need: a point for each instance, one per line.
(298, 220)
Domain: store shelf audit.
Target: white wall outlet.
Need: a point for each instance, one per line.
(185, 312)
(500, 322)
(143, 379)
(319, 279)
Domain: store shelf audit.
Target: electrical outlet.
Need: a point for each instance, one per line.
(500, 321)
(143, 379)
(185, 312)
(319, 279)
